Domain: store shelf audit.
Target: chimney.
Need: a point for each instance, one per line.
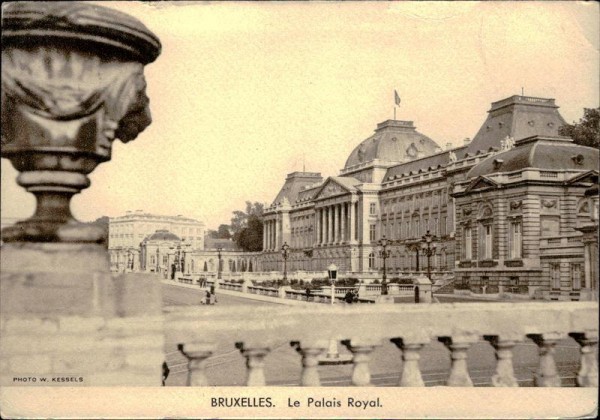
(467, 140)
(448, 146)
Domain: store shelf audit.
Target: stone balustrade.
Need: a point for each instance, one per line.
(363, 328)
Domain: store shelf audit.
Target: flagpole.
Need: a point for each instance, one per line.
(394, 113)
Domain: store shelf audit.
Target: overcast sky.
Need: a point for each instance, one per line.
(245, 93)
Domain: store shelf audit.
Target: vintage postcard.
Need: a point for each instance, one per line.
(299, 209)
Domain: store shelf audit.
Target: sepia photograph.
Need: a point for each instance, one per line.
(303, 209)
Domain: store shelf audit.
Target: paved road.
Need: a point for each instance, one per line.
(283, 364)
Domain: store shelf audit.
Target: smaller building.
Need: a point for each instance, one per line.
(126, 234)
(520, 216)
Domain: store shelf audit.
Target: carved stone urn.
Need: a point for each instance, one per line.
(72, 82)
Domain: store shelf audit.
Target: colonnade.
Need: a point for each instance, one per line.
(336, 223)
(271, 236)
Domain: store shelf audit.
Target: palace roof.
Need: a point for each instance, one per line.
(540, 152)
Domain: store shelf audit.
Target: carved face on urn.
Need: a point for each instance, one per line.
(72, 83)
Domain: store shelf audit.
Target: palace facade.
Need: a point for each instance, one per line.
(509, 209)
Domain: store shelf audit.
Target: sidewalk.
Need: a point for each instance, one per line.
(252, 296)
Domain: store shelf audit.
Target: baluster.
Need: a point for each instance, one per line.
(411, 373)
(503, 345)
(588, 374)
(547, 374)
(310, 352)
(197, 355)
(255, 363)
(361, 352)
(458, 346)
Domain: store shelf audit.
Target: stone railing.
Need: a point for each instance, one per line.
(363, 328)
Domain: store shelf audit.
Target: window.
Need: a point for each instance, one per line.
(576, 276)
(550, 225)
(372, 209)
(444, 225)
(514, 239)
(372, 232)
(467, 244)
(555, 275)
(485, 241)
(435, 226)
(371, 261)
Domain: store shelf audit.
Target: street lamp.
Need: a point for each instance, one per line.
(285, 253)
(383, 243)
(332, 272)
(429, 250)
(157, 258)
(219, 249)
(333, 357)
(184, 261)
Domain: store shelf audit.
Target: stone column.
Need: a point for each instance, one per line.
(264, 236)
(330, 225)
(197, 355)
(344, 222)
(353, 216)
(547, 374)
(310, 352)
(588, 373)
(410, 347)
(458, 346)
(255, 355)
(317, 227)
(503, 345)
(72, 83)
(361, 351)
(324, 227)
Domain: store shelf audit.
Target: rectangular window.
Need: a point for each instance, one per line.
(444, 225)
(435, 226)
(576, 276)
(425, 225)
(515, 239)
(485, 242)
(372, 208)
(555, 275)
(372, 233)
(467, 245)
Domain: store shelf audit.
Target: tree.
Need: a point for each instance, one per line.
(587, 131)
(103, 223)
(247, 227)
(250, 238)
(223, 232)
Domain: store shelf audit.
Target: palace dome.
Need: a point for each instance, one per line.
(393, 141)
(162, 235)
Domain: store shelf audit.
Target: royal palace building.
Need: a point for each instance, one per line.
(514, 209)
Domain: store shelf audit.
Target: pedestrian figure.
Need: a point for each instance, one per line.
(349, 298)
(165, 372)
(207, 300)
(307, 294)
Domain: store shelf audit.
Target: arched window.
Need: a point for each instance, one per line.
(371, 261)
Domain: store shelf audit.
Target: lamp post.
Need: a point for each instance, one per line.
(184, 263)
(429, 250)
(383, 243)
(157, 258)
(333, 357)
(332, 272)
(219, 249)
(285, 253)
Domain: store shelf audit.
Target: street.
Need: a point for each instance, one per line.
(283, 364)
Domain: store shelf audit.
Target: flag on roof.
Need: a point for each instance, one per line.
(396, 98)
